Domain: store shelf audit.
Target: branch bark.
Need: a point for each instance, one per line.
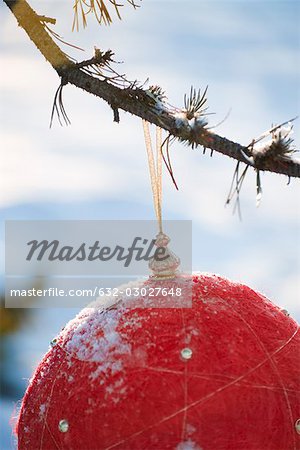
(134, 100)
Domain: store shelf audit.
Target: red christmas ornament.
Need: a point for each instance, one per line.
(221, 374)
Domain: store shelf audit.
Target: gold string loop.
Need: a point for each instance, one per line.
(166, 268)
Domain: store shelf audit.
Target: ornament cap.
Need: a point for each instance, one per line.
(164, 264)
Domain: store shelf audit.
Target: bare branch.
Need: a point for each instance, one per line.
(144, 103)
(46, 19)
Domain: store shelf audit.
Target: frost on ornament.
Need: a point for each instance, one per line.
(188, 445)
(221, 373)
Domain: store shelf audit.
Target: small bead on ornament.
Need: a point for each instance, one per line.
(186, 353)
(297, 426)
(63, 426)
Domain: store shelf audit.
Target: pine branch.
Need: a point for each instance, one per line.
(97, 8)
(144, 103)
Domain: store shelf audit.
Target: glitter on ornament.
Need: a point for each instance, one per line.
(63, 426)
(186, 353)
(42, 411)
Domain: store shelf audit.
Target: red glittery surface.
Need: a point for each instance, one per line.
(119, 379)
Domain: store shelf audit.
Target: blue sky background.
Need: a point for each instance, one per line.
(248, 54)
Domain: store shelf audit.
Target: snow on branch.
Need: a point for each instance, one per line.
(189, 124)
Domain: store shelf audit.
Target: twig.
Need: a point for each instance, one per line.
(136, 100)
